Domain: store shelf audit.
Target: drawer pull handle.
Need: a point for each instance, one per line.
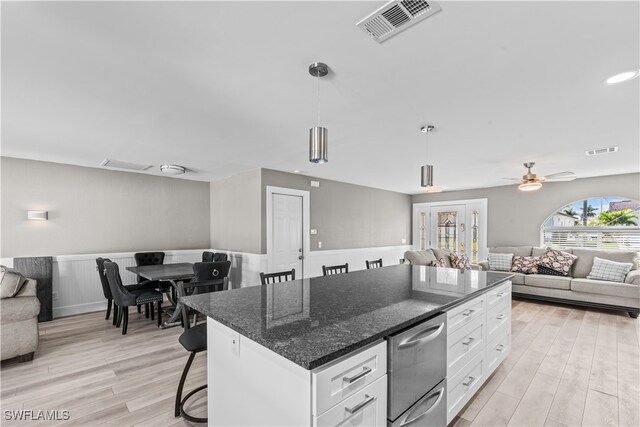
(469, 341)
(468, 312)
(365, 370)
(501, 316)
(422, 337)
(500, 347)
(501, 294)
(367, 400)
(468, 383)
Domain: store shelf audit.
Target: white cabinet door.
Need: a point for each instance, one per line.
(368, 407)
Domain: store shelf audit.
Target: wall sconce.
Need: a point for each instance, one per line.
(38, 215)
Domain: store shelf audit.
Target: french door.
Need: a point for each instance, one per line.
(457, 226)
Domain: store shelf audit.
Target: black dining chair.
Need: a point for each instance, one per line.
(211, 256)
(209, 277)
(154, 258)
(281, 276)
(328, 270)
(106, 290)
(374, 264)
(125, 298)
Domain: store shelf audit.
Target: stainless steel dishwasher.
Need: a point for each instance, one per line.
(417, 367)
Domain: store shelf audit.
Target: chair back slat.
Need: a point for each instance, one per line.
(374, 264)
(281, 276)
(328, 270)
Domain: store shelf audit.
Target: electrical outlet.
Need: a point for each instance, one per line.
(404, 241)
(319, 245)
(235, 344)
(54, 295)
(313, 231)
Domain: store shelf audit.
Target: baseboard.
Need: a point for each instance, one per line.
(79, 309)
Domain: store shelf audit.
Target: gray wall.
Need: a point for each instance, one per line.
(346, 216)
(95, 210)
(236, 221)
(515, 217)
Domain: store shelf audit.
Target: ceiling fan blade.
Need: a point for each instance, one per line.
(513, 179)
(561, 179)
(560, 175)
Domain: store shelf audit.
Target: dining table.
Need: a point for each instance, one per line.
(176, 274)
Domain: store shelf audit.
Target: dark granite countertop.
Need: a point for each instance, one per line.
(314, 321)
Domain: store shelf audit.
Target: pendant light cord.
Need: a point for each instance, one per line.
(318, 106)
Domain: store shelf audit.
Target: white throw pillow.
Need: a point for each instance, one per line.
(612, 271)
(500, 262)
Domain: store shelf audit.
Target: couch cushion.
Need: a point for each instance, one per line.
(20, 308)
(611, 271)
(11, 282)
(602, 287)
(442, 254)
(517, 279)
(441, 263)
(516, 250)
(583, 264)
(543, 281)
(420, 257)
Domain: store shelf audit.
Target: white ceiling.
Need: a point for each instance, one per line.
(223, 87)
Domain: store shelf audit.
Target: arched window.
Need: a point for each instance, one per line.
(600, 222)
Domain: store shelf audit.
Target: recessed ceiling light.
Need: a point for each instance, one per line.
(172, 169)
(622, 77)
(434, 189)
(298, 171)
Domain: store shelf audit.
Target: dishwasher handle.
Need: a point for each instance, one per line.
(422, 337)
(410, 418)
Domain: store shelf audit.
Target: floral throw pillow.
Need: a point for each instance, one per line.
(525, 264)
(558, 261)
(441, 263)
(460, 261)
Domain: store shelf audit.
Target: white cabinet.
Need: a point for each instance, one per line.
(478, 340)
(367, 407)
(346, 376)
(252, 385)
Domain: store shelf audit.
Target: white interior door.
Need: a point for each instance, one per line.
(287, 245)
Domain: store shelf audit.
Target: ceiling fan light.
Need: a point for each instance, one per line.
(530, 186)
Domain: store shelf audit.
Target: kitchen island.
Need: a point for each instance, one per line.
(313, 351)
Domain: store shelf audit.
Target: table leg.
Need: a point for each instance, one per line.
(175, 316)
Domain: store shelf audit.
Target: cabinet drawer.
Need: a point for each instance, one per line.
(347, 376)
(462, 386)
(497, 350)
(497, 317)
(367, 407)
(501, 293)
(464, 344)
(465, 313)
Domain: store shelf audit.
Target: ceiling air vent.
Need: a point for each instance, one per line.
(601, 151)
(396, 16)
(117, 164)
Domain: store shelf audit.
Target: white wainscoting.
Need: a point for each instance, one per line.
(355, 257)
(78, 289)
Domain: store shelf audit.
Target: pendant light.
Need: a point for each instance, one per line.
(427, 170)
(318, 136)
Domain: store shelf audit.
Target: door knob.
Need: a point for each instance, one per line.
(300, 257)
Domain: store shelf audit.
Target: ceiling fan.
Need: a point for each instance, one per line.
(530, 181)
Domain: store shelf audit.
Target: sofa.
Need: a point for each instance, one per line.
(19, 323)
(427, 256)
(576, 288)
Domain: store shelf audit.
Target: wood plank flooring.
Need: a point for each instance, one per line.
(568, 367)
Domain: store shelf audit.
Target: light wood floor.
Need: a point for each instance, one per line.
(568, 367)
